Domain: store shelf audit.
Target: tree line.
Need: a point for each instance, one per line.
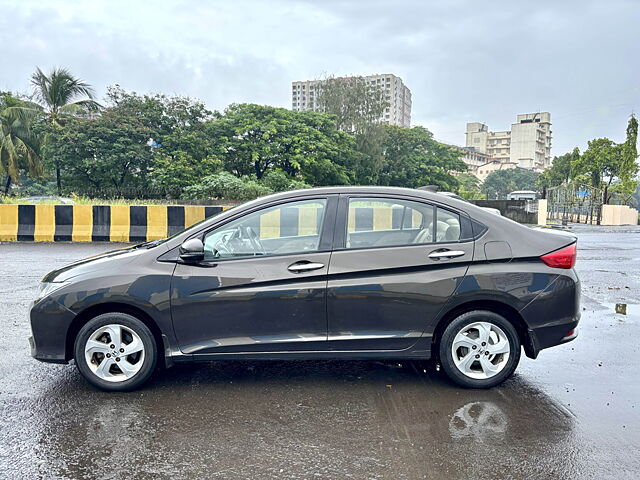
(605, 165)
(60, 140)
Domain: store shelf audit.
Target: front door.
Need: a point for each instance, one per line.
(397, 263)
(262, 285)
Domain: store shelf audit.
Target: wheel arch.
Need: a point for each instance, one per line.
(114, 307)
(507, 311)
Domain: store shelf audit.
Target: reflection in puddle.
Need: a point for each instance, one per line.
(480, 420)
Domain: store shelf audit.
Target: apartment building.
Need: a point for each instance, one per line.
(304, 96)
(483, 171)
(472, 158)
(527, 144)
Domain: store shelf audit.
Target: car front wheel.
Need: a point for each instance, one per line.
(115, 351)
(479, 349)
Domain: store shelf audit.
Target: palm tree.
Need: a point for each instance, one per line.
(19, 145)
(61, 94)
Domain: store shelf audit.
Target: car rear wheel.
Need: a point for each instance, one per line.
(115, 351)
(479, 349)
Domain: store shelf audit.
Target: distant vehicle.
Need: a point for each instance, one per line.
(495, 211)
(46, 199)
(324, 273)
(522, 195)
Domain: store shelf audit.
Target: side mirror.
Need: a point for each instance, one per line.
(192, 251)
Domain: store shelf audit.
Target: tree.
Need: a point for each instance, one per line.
(628, 162)
(501, 182)
(469, 186)
(561, 171)
(19, 144)
(184, 148)
(104, 154)
(257, 139)
(412, 158)
(357, 105)
(60, 94)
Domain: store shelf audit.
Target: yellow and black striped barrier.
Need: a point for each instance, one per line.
(98, 223)
(139, 223)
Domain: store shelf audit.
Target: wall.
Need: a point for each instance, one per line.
(619, 215)
(521, 211)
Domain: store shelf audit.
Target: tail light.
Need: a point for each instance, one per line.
(563, 258)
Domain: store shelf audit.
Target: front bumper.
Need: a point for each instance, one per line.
(50, 323)
(43, 357)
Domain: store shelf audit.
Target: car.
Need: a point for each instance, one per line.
(327, 273)
(495, 211)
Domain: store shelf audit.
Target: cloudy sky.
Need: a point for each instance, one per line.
(463, 60)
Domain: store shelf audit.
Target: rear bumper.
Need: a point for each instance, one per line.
(552, 318)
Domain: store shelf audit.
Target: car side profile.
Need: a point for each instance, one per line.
(326, 273)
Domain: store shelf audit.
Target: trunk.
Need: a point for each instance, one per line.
(58, 181)
(7, 185)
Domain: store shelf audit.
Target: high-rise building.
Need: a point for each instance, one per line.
(527, 144)
(304, 96)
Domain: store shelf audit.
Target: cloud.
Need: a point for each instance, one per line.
(463, 61)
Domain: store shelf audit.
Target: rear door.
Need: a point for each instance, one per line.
(396, 262)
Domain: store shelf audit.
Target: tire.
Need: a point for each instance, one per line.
(491, 362)
(131, 362)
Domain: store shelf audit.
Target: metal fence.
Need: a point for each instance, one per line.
(576, 203)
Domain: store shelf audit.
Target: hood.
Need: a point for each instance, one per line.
(102, 261)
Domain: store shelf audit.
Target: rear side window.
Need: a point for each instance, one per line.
(376, 222)
(447, 226)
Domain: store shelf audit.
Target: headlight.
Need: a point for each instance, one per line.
(47, 288)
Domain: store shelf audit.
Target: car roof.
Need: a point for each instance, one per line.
(430, 196)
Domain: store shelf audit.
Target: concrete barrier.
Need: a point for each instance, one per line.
(86, 223)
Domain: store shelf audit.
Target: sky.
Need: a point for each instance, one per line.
(463, 60)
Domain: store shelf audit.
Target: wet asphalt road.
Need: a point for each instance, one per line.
(573, 413)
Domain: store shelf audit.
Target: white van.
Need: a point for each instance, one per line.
(522, 195)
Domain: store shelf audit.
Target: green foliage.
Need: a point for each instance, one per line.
(279, 181)
(224, 185)
(60, 96)
(257, 139)
(414, 159)
(501, 182)
(469, 186)
(357, 106)
(19, 144)
(561, 171)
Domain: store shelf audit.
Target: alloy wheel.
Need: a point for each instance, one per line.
(480, 350)
(114, 353)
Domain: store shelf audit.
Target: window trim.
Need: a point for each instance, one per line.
(342, 221)
(326, 229)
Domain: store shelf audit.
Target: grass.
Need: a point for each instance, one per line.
(81, 200)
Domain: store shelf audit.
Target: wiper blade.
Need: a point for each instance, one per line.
(150, 243)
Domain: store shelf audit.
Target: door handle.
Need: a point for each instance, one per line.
(299, 267)
(438, 254)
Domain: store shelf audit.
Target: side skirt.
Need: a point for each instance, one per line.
(421, 350)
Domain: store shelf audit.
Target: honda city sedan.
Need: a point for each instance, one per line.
(326, 273)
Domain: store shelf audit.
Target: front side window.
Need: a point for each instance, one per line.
(284, 229)
(375, 222)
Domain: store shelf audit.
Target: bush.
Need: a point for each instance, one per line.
(279, 181)
(226, 186)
